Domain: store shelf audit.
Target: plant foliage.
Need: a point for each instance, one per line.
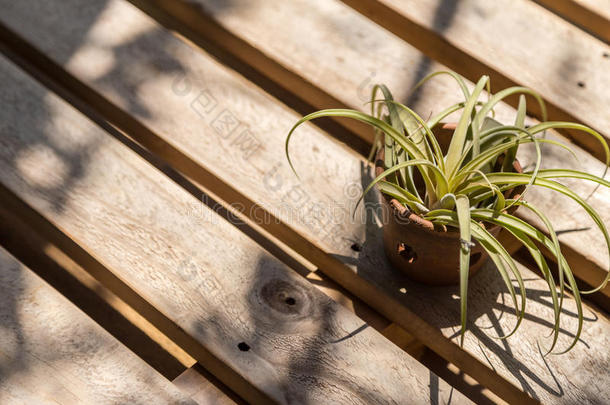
(464, 187)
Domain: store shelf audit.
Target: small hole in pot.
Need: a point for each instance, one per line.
(406, 252)
(356, 247)
(581, 84)
(243, 346)
(290, 301)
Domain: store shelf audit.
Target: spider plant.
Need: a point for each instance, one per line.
(464, 186)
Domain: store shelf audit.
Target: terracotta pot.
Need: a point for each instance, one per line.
(425, 252)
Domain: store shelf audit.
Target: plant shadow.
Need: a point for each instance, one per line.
(490, 309)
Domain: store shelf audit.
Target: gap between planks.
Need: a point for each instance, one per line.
(592, 16)
(33, 248)
(52, 352)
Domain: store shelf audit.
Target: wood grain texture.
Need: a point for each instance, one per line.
(285, 338)
(592, 16)
(514, 42)
(60, 269)
(195, 382)
(52, 353)
(197, 91)
(339, 50)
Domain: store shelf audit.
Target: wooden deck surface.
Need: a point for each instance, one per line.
(143, 141)
(53, 353)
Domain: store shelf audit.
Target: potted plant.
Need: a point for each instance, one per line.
(452, 188)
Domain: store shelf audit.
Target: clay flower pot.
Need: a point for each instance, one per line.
(423, 251)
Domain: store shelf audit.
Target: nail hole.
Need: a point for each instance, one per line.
(243, 346)
(290, 301)
(406, 252)
(606, 55)
(356, 247)
(581, 84)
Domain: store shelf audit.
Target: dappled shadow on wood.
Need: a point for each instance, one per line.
(39, 148)
(50, 349)
(68, 166)
(291, 335)
(31, 249)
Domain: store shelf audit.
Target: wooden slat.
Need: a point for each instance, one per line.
(213, 282)
(53, 353)
(591, 15)
(330, 46)
(314, 51)
(195, 382)
(264, 177)
(514, 42)
(50, 262)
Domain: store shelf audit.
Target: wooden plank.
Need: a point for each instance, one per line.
(195, 382)
(475, 37)
(314, 51)
(71, 280)
(591, 15)
(216, 285)
(53, 353)
(263, 177)
(347, 46)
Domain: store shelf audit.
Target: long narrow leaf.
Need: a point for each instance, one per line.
(498, 255)
(407, 145)
(511, 154)
(416, 162)
(462, 206)
(511, 222)
(459, 136)
(459, 79)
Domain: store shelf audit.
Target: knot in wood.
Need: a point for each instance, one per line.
(285, 297)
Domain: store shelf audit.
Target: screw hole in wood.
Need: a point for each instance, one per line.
(243, 346)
